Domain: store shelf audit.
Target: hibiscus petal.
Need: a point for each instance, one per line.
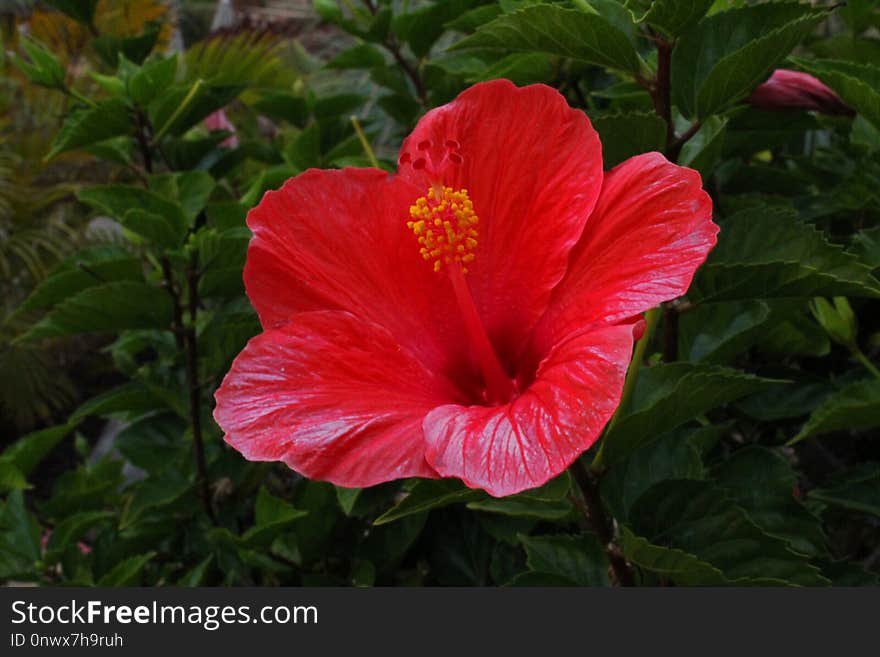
(332, 396)
(523, 444)
(533, 169)
(337, 240)
(651, 229)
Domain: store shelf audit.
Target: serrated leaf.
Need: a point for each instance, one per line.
(857, 490)
(723, 57)
(669, 395)
(429, 494)
(625, 135)
(767, 252)
(857, 83)
(44, 68)
(183, 106)
(578, 559)
(153, 443)
(142, 211)
(678, 566)
(672, 16)
(717, 332)
(84, 127)
(549, 502)
(272, 516)
(763, 484)
(558, 31)
(106, 308)
(88, 268)
(671, 456)
(855, 407)
(152, 79)
(129, 399)
(700, 520)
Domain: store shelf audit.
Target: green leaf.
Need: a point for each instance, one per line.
(558, 31)
(19, 538)
(549, 502)
(84, 127)
(128, 572)
(717, 332)
(153, 443)
(767, 252)
(578, 559)
(857, 490)
(701, 521)
(11, 478)
(183, 106)
(669, 395)
(128, 400)
(625, 135)
(672, 16)
(853, 408)
(359, 56)
(142, 211)
(188, 189)
(429, 494)
(857, 83)
(28, 452)
(272, 516)
(106, 308)
(88, 268)
(152, 80)
(763, 483)
(703, 151)
(71, 529)
(347, 498)
(44, 68)
(723, 57)
(135, 49)
(153, 493)
(671, 456)
(422, 27)
(84, 489)
(678, 566)
(196, 576)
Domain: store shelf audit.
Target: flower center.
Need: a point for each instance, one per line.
(445, 224)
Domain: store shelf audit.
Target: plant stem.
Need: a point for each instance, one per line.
(365, 144)
(143, 140)
(663, 89)
(177, 318)
(195, 389)
(588, 481)
(859, 355)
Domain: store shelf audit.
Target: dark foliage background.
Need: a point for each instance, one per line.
(748, 451)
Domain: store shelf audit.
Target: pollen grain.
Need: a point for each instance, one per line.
(445, 224)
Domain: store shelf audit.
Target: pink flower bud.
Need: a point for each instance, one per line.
(797, 91)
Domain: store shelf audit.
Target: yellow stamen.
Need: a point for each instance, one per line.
(445, 224)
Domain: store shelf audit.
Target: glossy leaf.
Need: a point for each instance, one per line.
(558, 31)
(855, 407)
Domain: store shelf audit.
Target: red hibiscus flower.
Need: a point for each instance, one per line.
(793, 90)
(472, 316)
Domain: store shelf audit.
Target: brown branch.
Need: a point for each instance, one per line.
(177, 318)
(593, 510)
(194, 386)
